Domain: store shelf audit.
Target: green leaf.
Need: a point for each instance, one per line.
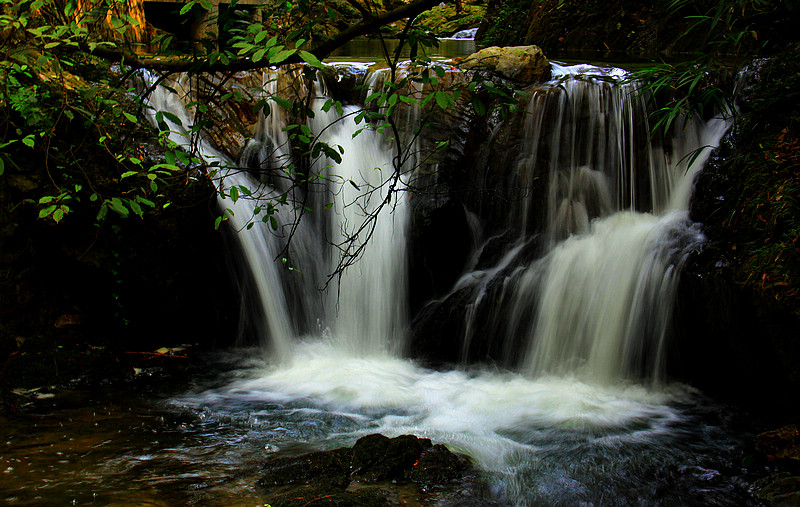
(442, 99)
(354, 185)
(128, 173)
(282, 55)
(273, 223)
(136, 208)
(218, 222)
(46, 199)
(117, 205)
(103, 212)
(310, 59)
(147, 202)
(47, 211)
(131, 118)
(282, 102)
(234, 193)
(2, 166)
(186, 8)
(480, 109)
(58, 214)
(259, 54)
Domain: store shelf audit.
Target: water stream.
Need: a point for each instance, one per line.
(580, 416)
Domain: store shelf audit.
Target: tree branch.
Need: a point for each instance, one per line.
(322, 51)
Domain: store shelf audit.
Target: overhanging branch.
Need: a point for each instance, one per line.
(322, 51)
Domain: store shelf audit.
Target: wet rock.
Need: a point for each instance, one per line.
(781, 489)
(377, 470)
(782, 443)
(378, 458)
(437, 465)
(521, 64)
(319, 496)
(321, 469)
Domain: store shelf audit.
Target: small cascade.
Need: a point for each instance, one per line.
(368, 221)
(614, 233)
(364, 308)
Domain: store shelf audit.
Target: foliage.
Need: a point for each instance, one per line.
(447, 19)
(758, 222)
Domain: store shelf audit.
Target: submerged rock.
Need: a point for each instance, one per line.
(377, 470)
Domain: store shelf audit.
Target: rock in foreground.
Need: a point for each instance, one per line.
(377, 470)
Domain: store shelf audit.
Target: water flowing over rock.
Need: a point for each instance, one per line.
(546, 242)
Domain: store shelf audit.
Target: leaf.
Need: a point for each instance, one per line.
(117, 205)
(310, 59)
(103, 212)
(282, 55)
(186, 8)
(131, 118)
(136, 208)
(442, 99)
(147, 202)
(128, 173)
(46, 199)
(282, 102)
(480, 109)
(273, 223)
(234, 193)
(259, 54)
(2, 166)
(47, 211)
(354, 185)
(218, 222)
(58, 214)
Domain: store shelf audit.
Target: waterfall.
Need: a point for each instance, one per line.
(586, 290)
(361, 229)
(597, 300)
(570, 296)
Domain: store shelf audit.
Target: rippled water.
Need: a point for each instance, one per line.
(546, 441)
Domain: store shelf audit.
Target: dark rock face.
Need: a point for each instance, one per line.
(782, 443)
(370, 474)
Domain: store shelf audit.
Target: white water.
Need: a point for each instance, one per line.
(593, 311)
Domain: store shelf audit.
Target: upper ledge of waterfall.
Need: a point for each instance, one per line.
(521, 64)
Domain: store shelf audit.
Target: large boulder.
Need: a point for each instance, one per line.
(520, 64)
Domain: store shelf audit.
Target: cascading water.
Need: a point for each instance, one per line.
(591, 309)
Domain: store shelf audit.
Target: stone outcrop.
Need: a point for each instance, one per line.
(372, 472)
(521, 64)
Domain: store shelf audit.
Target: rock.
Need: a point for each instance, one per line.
(321, 468)
(521, 64)
(378, 458)
(371, 472)
(783, 443)
(780, 489)
(437, 465)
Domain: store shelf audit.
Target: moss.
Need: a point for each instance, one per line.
(444, 20)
